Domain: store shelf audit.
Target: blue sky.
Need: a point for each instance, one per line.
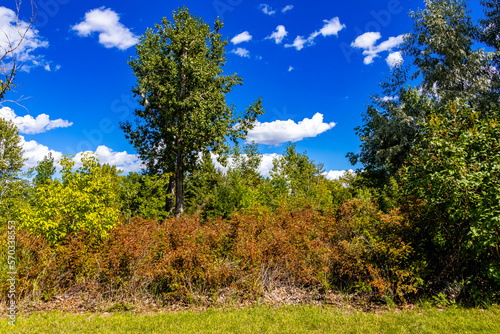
(315, 64)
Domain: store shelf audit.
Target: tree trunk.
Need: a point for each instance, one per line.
(179, 184)
(179, 168)
(169, 201)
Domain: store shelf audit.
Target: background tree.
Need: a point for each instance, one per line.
(45, 170)
(443, 50)
(241, 185)
(181, 87)
(446, 64)
(388, 132)
(298, 179)
(491, 26)
(11, 162)
(143, 195)
(201, 185)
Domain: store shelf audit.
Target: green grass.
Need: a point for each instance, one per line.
(262, 319)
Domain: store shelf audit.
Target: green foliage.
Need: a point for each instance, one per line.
(446, 65)
(85, 200)
(343, 189)
(389, 130)
(453, 177)
(371, 253)
(182, 88)
(212, 193)
(442, 48)
(295, 177)
(45, 170)
(241, 188)
(491, 24)
(142, 195)
(201, 185)
(12, 187)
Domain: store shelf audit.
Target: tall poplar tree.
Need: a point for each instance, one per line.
(181, 87)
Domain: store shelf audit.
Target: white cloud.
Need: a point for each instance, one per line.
(48, 68)
(335, 174)
(266, 163)
(330, 28)
(392, 42)
(369, 59)
(394, 59)
(29, 125)
(388, 98)
(277, 132)
(366, 41)
(35, 152)
(112, 33)
(279, 34)
(122, 160)
(266, 9)
(242, 52)
(287, 8)
(290, 69)
(298, 43)
(240, 38)
(11, 35)
(371, 51)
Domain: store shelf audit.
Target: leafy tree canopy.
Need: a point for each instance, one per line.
(181, 87)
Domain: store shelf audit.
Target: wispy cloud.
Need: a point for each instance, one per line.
(287, 8)
(330, 28)
(106, 22)
(278, 132)
(242, 52)
(266, 9)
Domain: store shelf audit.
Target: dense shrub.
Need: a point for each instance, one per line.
(84, 201)
(451, 190)
(371, 253)
(192, 260)
(142, 195)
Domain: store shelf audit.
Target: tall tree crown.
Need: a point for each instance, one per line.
(181, 87)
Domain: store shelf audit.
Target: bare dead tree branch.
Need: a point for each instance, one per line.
(9, 64)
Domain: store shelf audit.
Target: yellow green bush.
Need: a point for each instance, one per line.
(84, 200)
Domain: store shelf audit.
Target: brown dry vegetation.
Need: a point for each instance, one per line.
(279, 257)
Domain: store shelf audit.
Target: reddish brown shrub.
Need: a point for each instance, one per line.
(187, 260)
